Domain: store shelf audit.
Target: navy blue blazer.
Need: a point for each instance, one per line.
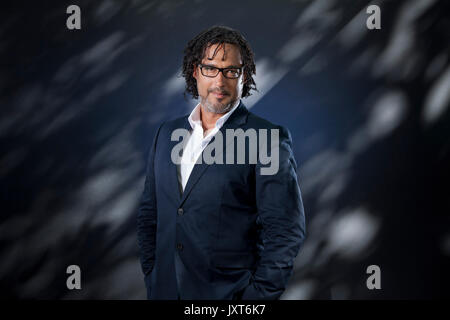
(232, 234)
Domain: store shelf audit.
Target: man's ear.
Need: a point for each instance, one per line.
(244, 77)
(195, 73)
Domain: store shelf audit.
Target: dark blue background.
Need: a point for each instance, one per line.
(367, 110)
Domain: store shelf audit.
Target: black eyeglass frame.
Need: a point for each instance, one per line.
(220, 70)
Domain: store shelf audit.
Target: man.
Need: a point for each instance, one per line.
(219, 230)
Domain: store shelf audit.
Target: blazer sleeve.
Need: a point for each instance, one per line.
(147, 214)
(281, 220)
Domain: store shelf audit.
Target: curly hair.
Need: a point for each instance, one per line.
(195, 51)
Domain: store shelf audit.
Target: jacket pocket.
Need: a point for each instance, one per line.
(233, 260)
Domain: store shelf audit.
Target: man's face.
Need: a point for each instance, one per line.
(218, 94)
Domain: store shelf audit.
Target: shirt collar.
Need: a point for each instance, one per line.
(194, 117)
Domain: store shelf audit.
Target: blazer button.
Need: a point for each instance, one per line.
(180, 211)
(179, 246)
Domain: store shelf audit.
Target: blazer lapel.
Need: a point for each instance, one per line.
(237, 119)
(173, 174)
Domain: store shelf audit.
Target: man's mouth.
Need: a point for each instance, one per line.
(219, 94)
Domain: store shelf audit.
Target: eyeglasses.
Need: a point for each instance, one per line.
(211, 72)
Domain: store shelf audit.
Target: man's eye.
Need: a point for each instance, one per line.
(232, 72)
(209, 68)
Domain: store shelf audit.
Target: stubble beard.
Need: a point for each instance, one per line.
(217, 108)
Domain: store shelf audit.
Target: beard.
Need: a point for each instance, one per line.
(217, 107)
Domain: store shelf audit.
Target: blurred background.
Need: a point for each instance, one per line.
(367, 110)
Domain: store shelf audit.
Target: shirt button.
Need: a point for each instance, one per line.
(180, 211)
(179, 246)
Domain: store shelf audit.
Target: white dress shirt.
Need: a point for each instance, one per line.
(197, 142)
